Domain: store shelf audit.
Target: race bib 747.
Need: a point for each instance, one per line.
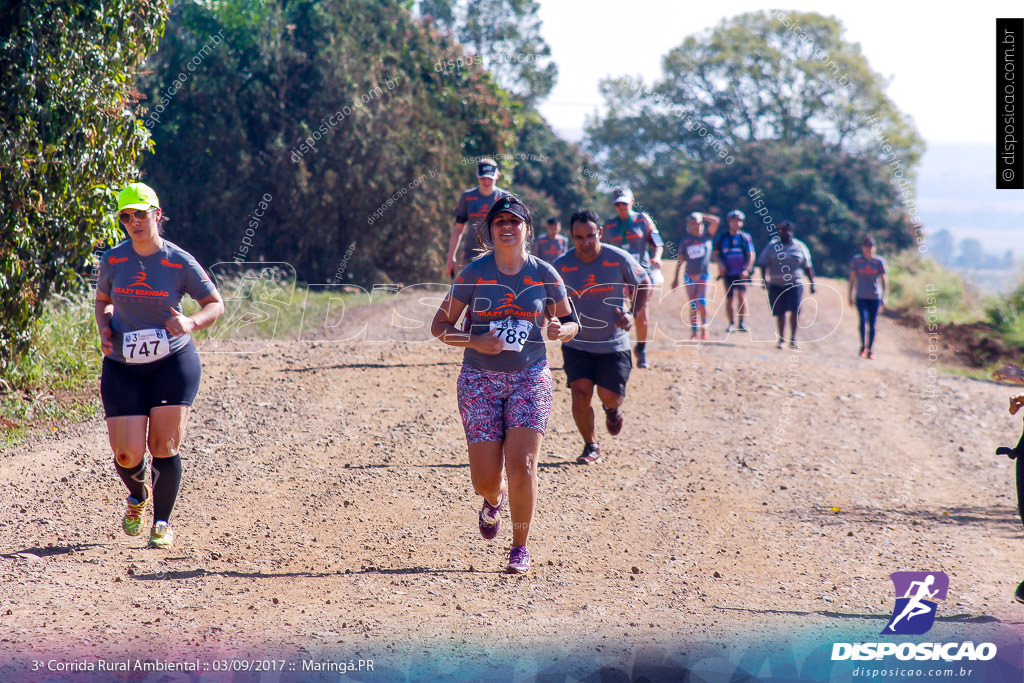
(145, 346)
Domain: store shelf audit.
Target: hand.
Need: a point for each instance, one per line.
(489, 343)
(1016, 402)
(625, 321)
(451, 267)
(656, 263)
(1009, 372)
(554, 329)
(107, 341)
(179, 324)
(853, 304)
(812, 288)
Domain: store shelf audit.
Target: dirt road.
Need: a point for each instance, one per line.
(327, 506)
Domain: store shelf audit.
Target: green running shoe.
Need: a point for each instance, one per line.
(132, 521)
(162, 535)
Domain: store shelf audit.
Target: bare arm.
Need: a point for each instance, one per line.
(453, 246)
(713, 222)
(104, 312)
(557, 330)
(443, 327)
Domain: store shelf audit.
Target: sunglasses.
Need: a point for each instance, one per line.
(127, 217)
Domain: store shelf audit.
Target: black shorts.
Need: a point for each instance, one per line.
(785, 298)
(607, 370)
(736, 283)
(137, 389)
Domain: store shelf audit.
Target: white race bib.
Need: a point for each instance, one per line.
(695, 251)
(145, 346)
(513, 331)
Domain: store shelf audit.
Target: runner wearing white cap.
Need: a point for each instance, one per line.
(636, 232)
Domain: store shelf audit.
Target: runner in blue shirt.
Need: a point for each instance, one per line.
(734, 254)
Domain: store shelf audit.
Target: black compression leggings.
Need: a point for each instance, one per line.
(867, 311)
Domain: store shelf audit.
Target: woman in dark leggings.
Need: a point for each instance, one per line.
(869, 289)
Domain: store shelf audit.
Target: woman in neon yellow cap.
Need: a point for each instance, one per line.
(151, 370)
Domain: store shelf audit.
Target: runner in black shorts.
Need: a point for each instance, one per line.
(734, 254)
(784, 263)
(150, 367)
(597, 276)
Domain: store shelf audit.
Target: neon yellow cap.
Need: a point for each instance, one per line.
(137, 196)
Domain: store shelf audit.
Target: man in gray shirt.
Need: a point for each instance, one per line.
(470, 212)
(784, 261)
(596, 276)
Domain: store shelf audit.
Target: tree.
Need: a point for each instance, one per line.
(504, 36)
(767, 85)
(335, 110)
(69, 140)
(942, 247)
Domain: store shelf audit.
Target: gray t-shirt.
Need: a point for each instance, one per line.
(515, 303)
(144, 289)
(869, 272)
(785, 264)
(598, 288)
(472, 210)
(696, 251)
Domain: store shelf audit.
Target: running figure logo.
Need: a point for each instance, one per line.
(914, 612)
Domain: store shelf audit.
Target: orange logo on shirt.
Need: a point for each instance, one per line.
(140, 280)
(609, 263)
(527, 280)
(113, 260)
(140, 288)
(165, 262)
(569, 269)
(591, 281)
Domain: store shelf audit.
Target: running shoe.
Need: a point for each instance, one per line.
(641, 357)
(613, 421)
(591, 454)
(132, 521)
(792, 345)
(863, 352)
(779, 345)
(490, 518)
(1018, 595)
(742, 328)
(518, 560)
(870, 355)
(161, 535)
(730, 328)
(693, 337)
(704, 332)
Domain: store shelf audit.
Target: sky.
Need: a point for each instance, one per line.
(941, 61)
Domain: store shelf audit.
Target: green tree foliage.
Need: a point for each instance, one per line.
(69, 139)
(549, 172)
(504, 36)
(335, 110)
(774, 101)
